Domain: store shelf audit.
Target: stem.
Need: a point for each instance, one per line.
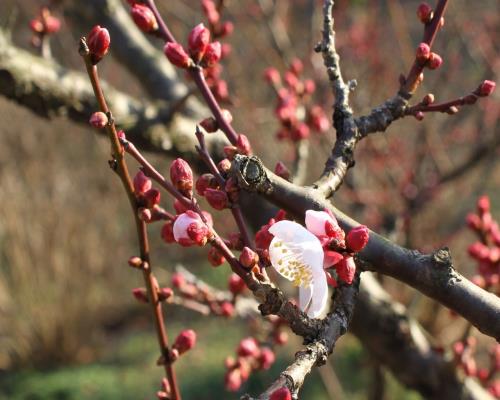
(121, 169)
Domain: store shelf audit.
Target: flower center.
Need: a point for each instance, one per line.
(291, 265)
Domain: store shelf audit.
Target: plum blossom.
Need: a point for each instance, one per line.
(189, 229)
(298, 256)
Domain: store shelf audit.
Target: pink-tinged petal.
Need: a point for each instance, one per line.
(331, 258)
(315, 222)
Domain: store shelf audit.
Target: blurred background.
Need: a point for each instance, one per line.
(69, 326)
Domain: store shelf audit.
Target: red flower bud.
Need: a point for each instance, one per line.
(483, 204)
(266, 358)
(230, 152)
(152, 197)
(297, 66)
(346, 269)
(281, 394)
(198, 41)
(248, 347)
(235, 284)
(423, 52)
(424, 13)
(215, 257)
(210, 125)
(272, 76)
(165, 293)
(486, 88)
(98, 120)
(185, 341)
(212, 55)
(227, 309)
(141, 183)
(144, 18)
(248, 257)
(98, 41)
(281, 170)
(178, 280)
(167, 232)
(140, 294)
(435, 61)
(309, 86)
(357, 238)
(232, 380)
(479, 251)
(217, 198)
(181, 175)
(177, 55)
(227, 28)
(243, 145)
(204, 182)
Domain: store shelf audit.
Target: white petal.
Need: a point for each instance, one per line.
(319, 295)
(305, 294)
(180, 226)
(315, 221)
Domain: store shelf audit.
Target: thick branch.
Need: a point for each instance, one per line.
(432, 274)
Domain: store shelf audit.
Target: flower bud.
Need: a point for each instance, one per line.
(152, 197)
(98, 120)
(428, 99)
(98, 41)
(144, 214)
(479, 251)
(189, 230)
(230, 151)
(215, 257)
(178, 280)
(235, 241)
(167, 232)
(266, 358)
(282, 171)
(434, 61)
(224, 165)
(181, 175)
(419, 116)
(424, 13)
(232, 380)
(282, 393)
(272, 76)
(227, 309)
(135, 262)
(212, 55)
(473, 221)
(483, 205)
(423, 52)
(346, 269)
(165, 293)
(210, 125)
(217, 198)
(204, 182)
(144, 18)
(357, 238)
(281, 338)
(198, 41)
(297, 66)
(140, 294)
(235, 284)
(243, 145)
(177, 55)
(141, 183)
(185, 341)
(486, 88)
(179, 207)
(248, 258)
(248, 347)
(227, 28)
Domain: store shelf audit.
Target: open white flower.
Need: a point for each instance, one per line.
(297, 255)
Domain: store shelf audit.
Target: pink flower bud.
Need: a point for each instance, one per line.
(224, 165)
(217, 198)
(36, 25)
(248, 347)
(282, 171)
(232, 380)
(346, 269)
(486, 88)
(424, 13)
(243, 145)
(204, 182)
(167, 232)
(483, 205)
(235, 284)
(357, 238)
(98, 41)
(423, 52)
(98, 120)
(282, 393)
(215, 257)
(144, 214)
(165, 293)
(301, 132)
(227, 28)
(198, 41)
(181, 175)
(227, 309)
(177, 55)
(296, 66)
(281, 338)
(266, 358)
(189, 230)
(272, 76)
(121, 135)
(185, 341)
(152, 197)
(135, 262)
(479, 251)
(210, 125)
(212, 55)
(144, 18)
(140, 294)
(178, 280)
(141, 183)
(435, 61)
(419, 116)
(248, 257)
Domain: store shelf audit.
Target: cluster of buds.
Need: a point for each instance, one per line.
(219, 303)
(148, 199)
(143, 17)
(44, 24)
(486, 251)
(250, 356)
(427, 58)
(295, 111)
(464, 353)
(200, 50)
(219, 29)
